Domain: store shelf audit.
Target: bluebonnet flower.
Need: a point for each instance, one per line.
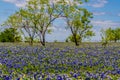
(88, 74)
(71, 73)
(103, 75)
(43, 76)
(118, 71)
(75, 75)
(48, 78)
(59, 78)
(18, 79)
(80, 63)
(6, 77)
(35, 75)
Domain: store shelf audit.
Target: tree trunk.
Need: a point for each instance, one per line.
(31, 41)
(75, 38)
(43, 40)
(115, 40)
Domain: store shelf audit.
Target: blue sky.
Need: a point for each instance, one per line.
(106, 14)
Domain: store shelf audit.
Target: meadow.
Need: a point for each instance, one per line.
(59, 61)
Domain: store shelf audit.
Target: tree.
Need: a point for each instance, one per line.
(117, 34)
(28, 24)
(41, 14)
(10, 35)
(78, 20)
(21, 21)
(104, 37)
(111, 34)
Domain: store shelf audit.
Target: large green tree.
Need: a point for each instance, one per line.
(78, 20)
(21, 21)
(10, 35)
(28, 24)
(40, 14)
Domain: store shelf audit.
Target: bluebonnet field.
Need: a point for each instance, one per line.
(60, 62)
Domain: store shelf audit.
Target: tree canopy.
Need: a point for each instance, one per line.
(10, 35)
(78, 21)
(111, 35)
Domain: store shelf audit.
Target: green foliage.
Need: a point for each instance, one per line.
(78, 20)
(39, 15)
(71, 38)
(117, 34)
(10, 35)
(111, 34)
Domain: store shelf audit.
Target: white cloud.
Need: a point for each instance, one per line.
(93, 3)
(57, 28)
(99, 13)
(22, 3)
(52, 28)
(18, 3)
(105, 24)
(97, 3)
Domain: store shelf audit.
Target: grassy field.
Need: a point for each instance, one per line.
(59, 61)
